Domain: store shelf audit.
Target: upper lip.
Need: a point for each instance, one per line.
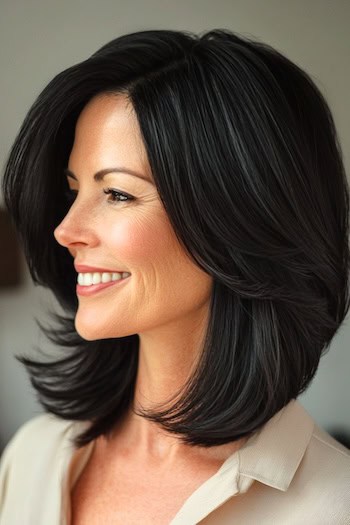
(81, 268)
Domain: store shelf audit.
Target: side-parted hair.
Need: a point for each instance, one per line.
(246, 159)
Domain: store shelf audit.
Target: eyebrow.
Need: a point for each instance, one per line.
(101, 174)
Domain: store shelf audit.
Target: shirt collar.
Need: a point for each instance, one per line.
(273, 454)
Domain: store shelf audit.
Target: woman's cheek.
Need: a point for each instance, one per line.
(135, 241)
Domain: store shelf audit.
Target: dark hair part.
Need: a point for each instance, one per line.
(245, 157)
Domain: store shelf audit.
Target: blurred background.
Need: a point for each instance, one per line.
(40, 38)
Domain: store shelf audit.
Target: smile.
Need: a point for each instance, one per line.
(88, 279)
(89, 284)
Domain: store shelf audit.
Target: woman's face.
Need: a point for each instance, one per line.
(165, 287)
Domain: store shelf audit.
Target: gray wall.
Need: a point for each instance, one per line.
(39, 38)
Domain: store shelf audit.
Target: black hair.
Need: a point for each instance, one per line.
(245, 156)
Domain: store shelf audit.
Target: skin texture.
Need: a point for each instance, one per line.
(165, 301)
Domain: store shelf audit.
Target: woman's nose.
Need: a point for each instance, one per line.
(74, 229)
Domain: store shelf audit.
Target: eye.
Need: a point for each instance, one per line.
(117, 196)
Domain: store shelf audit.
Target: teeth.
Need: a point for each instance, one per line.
(106, 277)
(87, 279)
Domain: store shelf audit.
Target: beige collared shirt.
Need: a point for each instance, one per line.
(290, 472)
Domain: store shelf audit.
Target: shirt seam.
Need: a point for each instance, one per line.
(331, 446)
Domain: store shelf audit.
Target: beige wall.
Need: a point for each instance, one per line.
(39, 38)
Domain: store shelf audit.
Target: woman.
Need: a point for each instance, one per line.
(184, 198)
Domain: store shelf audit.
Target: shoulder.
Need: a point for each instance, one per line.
(328, 451)
(331, 458)
(304, 473)
(45, 422)
(32, 467)
(36, 443)
(323, 478)
(38, 433)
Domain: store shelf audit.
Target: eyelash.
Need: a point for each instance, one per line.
(116, 193)
(118, 196)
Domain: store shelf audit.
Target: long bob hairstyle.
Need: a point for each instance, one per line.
(246, 159)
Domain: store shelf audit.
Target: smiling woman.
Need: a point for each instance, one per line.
(186, 202)
(133, 237)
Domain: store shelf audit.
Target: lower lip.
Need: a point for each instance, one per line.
(95, 288)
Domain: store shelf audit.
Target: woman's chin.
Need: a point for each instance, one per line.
(88, 330)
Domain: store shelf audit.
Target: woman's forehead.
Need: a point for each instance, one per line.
(107, 134)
